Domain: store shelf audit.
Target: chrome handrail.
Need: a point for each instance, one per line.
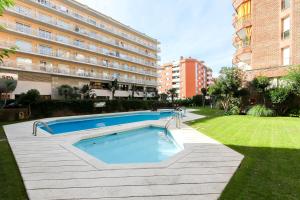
(35, 125)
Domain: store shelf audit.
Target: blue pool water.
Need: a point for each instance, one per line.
(65, 126)
(144, 145)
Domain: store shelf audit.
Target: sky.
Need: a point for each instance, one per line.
(201, 29)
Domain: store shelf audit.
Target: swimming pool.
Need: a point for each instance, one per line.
(143, 145)
(78, 124)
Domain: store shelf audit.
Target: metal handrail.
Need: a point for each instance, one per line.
(35, 125)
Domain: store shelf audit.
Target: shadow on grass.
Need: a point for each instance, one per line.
(265, 173)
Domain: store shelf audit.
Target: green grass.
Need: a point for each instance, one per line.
(271, 146)
(11, 184)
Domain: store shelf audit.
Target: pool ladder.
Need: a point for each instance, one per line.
(35, 125)
(177, 116)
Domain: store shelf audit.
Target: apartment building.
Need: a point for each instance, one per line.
(267, 36)
(188, 76)
(65, 42)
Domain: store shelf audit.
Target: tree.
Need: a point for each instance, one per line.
(7, 86)
(163, 96)
(279, 97)
(204, 93)
(66, 91)
(133, 90)
(85, 91)
(5, 52)
(227, 87)
(113, 87)
(293, 80)
(172, 93)
(30, 97)
(261, 83)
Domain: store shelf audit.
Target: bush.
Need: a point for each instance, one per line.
(295, 113)
(260, 111)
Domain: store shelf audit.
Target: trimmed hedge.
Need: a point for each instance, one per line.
(56, 108)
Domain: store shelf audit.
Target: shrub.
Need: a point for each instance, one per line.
(295, 112)
(260, 111)
(280, 99)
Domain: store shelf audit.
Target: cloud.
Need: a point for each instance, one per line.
(197, 28)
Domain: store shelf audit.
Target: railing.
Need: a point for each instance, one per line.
(73, 58)
(55, 70)
(35, 125)
(74, 15)
(240, 22)
(94, 36)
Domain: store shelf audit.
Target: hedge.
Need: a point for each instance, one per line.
(56, 108)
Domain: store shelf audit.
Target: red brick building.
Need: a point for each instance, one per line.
(187, 75)
(267, 36)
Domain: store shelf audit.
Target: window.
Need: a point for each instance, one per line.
(79, 56)
(91, 21)
(23, 45)
(46, 66)
(286, 28)
(24, 63)
(45, 18)
(63, 24)
(285, 4)
(64, 69)
(23, 27)
(45, 34)
(63, 39)
(93, 60)
(45, 50)
(79, 43)
(286, 56)
(93, 47)
(63, 53)
(44, 2)
(23, 10)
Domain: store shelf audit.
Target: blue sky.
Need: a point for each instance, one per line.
(198, 28)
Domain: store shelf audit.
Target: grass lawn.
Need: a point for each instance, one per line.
(271, 146)
(11, 184)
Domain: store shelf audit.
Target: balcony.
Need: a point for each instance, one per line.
(75, 30)
(73, 14)
(237, 3)
(240, 23)
(243, 52)
(79, 73)
(73, 58)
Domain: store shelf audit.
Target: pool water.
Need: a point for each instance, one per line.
(144, 145)
(66, 126)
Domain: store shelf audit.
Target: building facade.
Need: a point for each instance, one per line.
(267, 36)
(188, 76)
(64, 42)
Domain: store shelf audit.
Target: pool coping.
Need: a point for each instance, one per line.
(52, 168)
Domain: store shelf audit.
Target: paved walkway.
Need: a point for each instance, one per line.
(53, 169)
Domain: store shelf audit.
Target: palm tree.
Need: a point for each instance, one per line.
(65, 90)
(172, 93)
(113, 87)
(133, 90)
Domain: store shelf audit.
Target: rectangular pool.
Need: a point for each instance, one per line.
(144, 145)
(78, 124)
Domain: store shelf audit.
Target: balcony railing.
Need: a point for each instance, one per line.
(73, 58)
(242, 22)
(75, 15)
(76, 30)
(55, 70)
